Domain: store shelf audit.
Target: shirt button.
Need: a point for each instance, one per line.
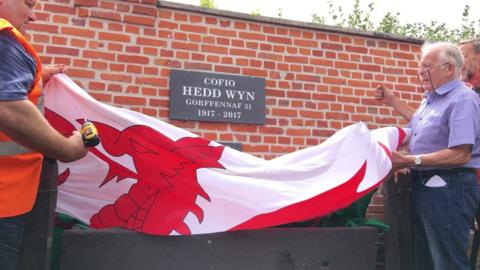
(415, 134)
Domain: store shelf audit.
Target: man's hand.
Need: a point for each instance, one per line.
(387, 97)
(79, 149)
(49, 70)
(400, 161)
(384, 95)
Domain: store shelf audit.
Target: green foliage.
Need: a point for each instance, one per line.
(390, 23)
(256, 12)
(208, 3)
(360, 19)
(318, 19)
(337, 15)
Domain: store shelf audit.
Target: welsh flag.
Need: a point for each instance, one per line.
(155, 178)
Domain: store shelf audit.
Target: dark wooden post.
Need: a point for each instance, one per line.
(35, 252)
(398, 239)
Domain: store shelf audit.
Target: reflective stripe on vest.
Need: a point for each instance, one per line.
(12, 148)
(40, 104)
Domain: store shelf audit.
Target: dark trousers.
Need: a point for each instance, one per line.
(11, 233)
(442, 218)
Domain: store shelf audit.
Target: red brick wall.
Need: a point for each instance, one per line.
(318, 79)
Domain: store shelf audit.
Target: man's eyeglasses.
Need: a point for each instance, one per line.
(428, 68)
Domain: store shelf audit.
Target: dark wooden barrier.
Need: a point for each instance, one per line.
(398, 239)
(35, 252)
(338, 248)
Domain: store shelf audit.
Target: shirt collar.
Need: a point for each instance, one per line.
(447, 87)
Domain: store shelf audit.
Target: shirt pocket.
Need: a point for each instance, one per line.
(434, 127)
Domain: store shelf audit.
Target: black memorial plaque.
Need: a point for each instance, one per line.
(236, 146)
(216, 97)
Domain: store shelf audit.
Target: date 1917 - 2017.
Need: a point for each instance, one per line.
(213, 113)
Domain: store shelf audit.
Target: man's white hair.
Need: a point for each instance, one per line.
(449, 53)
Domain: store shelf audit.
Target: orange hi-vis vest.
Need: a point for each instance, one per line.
(20, 167)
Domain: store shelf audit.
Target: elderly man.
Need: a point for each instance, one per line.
(471, 66)
(24, 133)
(444, 152)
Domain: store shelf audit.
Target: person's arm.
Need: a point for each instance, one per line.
(388, 98)
(450, 157)
(49, 70)
(21, 121)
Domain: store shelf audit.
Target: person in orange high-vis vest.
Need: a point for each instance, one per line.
(25, 135)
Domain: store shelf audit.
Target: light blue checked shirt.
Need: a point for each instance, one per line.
(447, 117)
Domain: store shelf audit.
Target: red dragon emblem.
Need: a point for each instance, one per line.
(166, 187)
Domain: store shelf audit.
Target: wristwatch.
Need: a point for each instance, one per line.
(418, 161)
